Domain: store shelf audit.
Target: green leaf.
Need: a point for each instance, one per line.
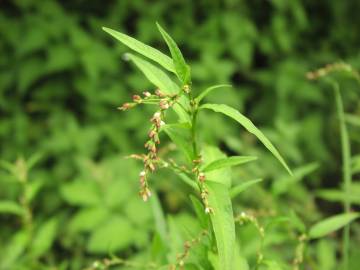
(182, 70)
(223, 223)
(15, 248)
(249, 126)
(227, 162)
(242, 187)
(209, 90)
(220, 175)
(44, 237)
(331, 224)
(82, 193)
(139, 47)
(87, 219)
(159, 217)
(116, 234)
(180, 134)
(10, 207)
(155, 75)
(200, 212)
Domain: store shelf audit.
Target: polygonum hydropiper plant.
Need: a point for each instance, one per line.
(203, 172)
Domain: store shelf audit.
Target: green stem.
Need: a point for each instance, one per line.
(346, 157)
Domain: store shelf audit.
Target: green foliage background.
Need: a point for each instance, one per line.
(62, 78)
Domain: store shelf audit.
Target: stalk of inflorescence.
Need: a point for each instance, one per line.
(346, 157)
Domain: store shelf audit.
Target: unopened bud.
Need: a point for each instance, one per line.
(125, 107)
(136, 98)
(159, 93)
(164, 104)
(186, 89)
(201, 177)
(147, 94)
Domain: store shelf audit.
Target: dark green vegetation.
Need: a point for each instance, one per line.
(69, 194)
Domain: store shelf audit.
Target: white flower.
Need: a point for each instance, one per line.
(142, 173)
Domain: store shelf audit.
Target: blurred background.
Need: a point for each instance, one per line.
(63, 143)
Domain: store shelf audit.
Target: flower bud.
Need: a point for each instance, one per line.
(147, 94)
(164, 105)
(159, 93)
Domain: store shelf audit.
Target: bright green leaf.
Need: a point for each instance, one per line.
(10, 207)
(227, 162)
(180, 134)
(331, 224)
(155, 75)
(223, 223)
(242, 187)
(44, 237)
(182, 70)
(249, 126)
(147, 51)
(210, 89)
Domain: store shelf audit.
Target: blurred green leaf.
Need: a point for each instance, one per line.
(236, 190)
(10, 207)
(82, 193)
(331, 224)
(112, 236)
(209, 90)
(44, 237)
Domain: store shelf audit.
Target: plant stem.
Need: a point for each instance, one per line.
(346, 158)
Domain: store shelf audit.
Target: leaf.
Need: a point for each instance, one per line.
(242, 187)
(147, 51)
(182, 70)
(223, 222)
(155, 75)
(159, 217)
(227, 162)
(10, 207)
(88, 219)
(200, 212)
(180, 134)
(209, 90)
(249, 126)
(44, 237)
(335, 195)
(112, 236)
(221, 175)
(15, 248)
(331, 224)
(82, 193)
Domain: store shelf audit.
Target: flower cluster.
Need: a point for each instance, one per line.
(329, 68)
(204, 193)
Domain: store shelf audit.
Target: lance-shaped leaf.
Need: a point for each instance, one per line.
(249, 126)
(10, 207)
(223, 223)
(155, 75)
(181, 68)
(331, 224)
(180, 134)
(236, 190)
(227, 162)
(210, 89)
(139, 47)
